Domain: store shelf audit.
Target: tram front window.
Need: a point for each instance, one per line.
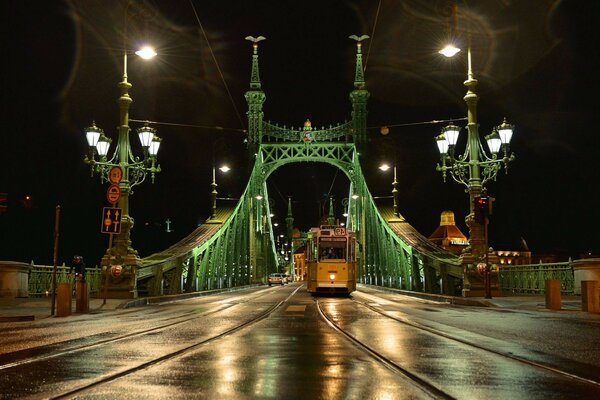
(332, 251)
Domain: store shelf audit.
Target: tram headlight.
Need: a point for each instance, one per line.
(332, 276)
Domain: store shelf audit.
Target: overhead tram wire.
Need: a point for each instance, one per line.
(372, 36)
(432, 122)
(216, 127)
(217, 65)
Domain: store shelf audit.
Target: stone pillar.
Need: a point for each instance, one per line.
(14, 279)
(585, 269)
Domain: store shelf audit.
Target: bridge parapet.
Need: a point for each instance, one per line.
(276, 133)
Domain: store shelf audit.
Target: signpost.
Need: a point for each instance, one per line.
(111, 220)
(115, 175)
(113, 194)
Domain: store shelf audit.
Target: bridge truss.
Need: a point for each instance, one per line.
(237, 246)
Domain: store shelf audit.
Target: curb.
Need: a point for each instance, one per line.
(442, 298)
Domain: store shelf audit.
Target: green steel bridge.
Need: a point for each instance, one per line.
(236, 245)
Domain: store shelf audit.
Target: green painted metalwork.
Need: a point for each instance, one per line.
(531, 279)
(236, 245)
(40, 279)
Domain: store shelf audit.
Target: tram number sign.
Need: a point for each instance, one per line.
(113, 194)
(111, 220)
(339, 232)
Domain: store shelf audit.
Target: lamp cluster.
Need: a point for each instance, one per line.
(458, 166)
(99, 146)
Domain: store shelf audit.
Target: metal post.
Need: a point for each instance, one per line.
(213, 193)
(54, 258)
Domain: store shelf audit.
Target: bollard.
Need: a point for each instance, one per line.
(82, 297)
(553, 294)
(63, 300)
(590, 296)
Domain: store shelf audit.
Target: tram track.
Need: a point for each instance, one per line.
(508, 355)
(428, 388)
(47, 351)
(173, 355)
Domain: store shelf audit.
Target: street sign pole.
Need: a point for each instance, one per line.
(54, 258)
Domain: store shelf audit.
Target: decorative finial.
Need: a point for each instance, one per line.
(254, 75)
(359, 79)
(255, 40)
(357, 38)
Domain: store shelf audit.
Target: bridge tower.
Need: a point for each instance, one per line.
(239, 247)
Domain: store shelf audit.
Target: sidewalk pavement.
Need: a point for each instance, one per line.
(28, 309)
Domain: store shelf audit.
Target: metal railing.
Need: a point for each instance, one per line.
(531, 279)
(40, 279)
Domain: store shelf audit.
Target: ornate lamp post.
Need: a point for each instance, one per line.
(385, 167)
(213, 192)
(473, 169)
(124, 171)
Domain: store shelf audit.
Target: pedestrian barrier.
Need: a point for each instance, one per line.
(531, 278)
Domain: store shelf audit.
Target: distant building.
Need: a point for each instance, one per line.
(520, 256)
(451, 239)
(448, 236)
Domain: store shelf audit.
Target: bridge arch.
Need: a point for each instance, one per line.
(340, 155)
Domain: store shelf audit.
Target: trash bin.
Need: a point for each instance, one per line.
(63, 300)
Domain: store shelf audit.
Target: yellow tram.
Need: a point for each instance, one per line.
(331, 260)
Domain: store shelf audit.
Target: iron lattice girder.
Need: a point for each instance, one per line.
(240, 249)
(341, 155)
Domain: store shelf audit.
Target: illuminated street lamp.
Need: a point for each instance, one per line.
(213, 193)
(385, 167)
(474, 168)
(124, 171)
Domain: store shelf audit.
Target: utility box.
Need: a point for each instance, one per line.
(63, 300)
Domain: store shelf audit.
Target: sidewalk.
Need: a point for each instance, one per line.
(28, 309)
(522, 302)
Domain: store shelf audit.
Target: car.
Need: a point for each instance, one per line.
(277, 279)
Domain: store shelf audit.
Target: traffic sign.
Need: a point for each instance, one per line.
(113, 194)
(111, 220)
(115, 174)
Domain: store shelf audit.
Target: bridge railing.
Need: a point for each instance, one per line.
(531, 279)
(40, 279)
(275, 133)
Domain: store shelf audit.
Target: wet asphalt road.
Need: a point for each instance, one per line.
(273, 343)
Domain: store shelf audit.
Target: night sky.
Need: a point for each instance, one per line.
(534, 60)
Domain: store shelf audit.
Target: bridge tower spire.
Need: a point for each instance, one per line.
(359, 95)
(289, 223)
(289, 220)
(255, 97)
(331, 217)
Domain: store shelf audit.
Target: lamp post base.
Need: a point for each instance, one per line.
(474, 275)
(119, 279)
